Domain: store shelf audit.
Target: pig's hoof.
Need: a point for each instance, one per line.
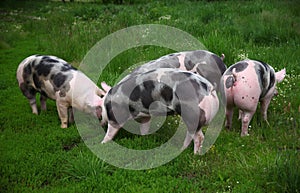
(244, 134)
(198, 152)
(104, 141)
(144, 133)
(64, 126)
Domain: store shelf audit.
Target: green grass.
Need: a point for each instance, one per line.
(36, 155)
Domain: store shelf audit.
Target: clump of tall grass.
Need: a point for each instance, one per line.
(85, 166)
(285, 172)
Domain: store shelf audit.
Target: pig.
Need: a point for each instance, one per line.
(54, 78)
(162, 91)
(202, 62)
(245, 84)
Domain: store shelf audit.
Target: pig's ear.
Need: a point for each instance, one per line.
(100, 92)
(222, 57)
(105, 86)
(280, 75)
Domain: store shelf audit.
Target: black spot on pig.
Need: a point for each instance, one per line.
(202, 119)
(189, 65)
(36, 81)
(167, 93)
(32, 63)
(67, 67)
(178, 108)
(43, 69)
(219, 63)
(135, 94)
(272, 80)
(265, 65)
(149, 85)
(146, 96)
(133, 111)
(239, 67)
(262, 78)
(47, 59)
(59, 79)
(146, 99)
(229, 82)
(110, 114)
(27, 70)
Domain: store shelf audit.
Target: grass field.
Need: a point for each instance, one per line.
(36, 155)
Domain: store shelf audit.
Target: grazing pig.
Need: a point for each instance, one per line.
(158, 92)
(202, 62)
(245, 84)
(54, 78)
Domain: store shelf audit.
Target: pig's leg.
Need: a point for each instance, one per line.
(229, 114)
(32, 103)
(264, 108)
(240, 114)
(111, 132)
(62, 110)
(193, 121)
(187, 140)
(198, 141)
(71, 115)
(43, 100)
(145, 126)
(30, 93)
(246, 118)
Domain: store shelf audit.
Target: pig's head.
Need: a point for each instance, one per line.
(96, 105)
(100, 110)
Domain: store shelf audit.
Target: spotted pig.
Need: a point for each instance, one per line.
(202, 62)
(54, 78)
(245, 84)
(163, 91)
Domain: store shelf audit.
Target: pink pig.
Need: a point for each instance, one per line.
(245, 84)
(54, 78)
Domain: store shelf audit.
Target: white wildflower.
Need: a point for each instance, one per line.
(165, 17)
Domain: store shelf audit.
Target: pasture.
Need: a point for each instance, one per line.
(36, 155)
